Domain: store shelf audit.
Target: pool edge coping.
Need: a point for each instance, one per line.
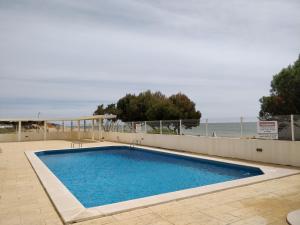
(71, 210)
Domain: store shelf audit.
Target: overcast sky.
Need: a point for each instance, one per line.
(63, 58)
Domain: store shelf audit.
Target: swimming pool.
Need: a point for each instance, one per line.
(105, 175)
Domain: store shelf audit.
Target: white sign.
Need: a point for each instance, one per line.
(267, 129)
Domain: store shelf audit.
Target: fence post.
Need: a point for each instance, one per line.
(180, 127)
(99, 129)
(45, 130)
(241, 121)
(160, 127)
(145, 127)
(19, 130)
(63, 126)
(292, 127)
(206, 127)
(93, 134)
(78, 127)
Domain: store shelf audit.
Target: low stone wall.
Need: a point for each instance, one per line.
(269, 151)
(38, 136)
(8, 137)
(35, 136)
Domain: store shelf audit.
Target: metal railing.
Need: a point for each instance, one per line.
(182, 127)
(243, 127)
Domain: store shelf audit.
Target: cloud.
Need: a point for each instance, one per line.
(92, 52)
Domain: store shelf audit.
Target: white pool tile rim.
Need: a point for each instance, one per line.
(71, 210)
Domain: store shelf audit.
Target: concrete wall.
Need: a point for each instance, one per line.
(37, 136)
(8, 137)
(273, 151)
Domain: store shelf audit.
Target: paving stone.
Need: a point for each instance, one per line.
(23, 201)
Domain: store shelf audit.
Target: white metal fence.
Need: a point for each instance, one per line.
(243, 127)
(185, 127)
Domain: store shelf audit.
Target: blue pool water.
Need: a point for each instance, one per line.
(104, 175)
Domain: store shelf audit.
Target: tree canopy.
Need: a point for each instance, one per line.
(151, 106)
(109, 109)
(284, 96)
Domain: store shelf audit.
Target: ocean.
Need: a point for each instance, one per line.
(223, 129)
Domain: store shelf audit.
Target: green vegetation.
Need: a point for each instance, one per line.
(284, 96)
(7, 127)
(151, 106)
(7, 130)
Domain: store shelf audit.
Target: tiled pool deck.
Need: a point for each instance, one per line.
(24, 201)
